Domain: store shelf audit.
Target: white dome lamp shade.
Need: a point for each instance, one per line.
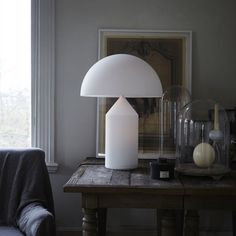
(121, 75)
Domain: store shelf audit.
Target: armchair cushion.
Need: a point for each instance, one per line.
(10, 231)
(36, 220)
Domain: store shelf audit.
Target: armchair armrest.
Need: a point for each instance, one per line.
(35, 220)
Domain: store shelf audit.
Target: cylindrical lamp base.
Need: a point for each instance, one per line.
(121, 144)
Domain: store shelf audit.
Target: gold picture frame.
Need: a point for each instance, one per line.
(169, 53)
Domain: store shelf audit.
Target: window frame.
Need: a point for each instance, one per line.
(43, 79)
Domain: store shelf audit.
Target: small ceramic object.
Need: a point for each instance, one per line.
(203, 155)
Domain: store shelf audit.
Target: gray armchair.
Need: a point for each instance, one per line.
(26, 202)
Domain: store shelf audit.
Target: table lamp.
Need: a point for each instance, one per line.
(121, 75)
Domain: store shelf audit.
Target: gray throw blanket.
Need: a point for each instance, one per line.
(24, 181)
(35, 220)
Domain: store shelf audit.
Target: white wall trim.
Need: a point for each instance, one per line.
(43, 78)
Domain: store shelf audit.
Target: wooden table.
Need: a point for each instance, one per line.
(204, 193)
(104, 188)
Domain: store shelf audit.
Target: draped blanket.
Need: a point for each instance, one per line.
(24, 180)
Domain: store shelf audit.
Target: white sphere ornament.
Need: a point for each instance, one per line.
(204, 155)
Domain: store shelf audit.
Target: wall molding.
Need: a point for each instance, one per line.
(43, 78)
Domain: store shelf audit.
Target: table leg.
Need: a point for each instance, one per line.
(102, 221)
(89, 224)
(191, 223)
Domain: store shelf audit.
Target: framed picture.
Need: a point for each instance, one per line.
(169, 53)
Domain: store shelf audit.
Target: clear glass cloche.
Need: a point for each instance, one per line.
(203, 137)
(172, 101)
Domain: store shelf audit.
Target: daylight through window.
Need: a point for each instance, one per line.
(15, 73)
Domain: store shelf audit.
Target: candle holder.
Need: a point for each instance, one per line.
(203, 140)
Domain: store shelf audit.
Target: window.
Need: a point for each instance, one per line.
(42, 76)
(15, 78)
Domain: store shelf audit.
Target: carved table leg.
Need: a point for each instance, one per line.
(89, 222)
(191, 223)
(168, 223)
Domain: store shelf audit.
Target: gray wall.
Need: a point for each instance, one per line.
(213, 23)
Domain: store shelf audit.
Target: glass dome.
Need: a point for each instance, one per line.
(203, 139)
(173, 99)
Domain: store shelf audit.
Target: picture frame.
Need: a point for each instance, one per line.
(170, 54)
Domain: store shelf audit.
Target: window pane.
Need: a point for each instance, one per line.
(15, 73)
